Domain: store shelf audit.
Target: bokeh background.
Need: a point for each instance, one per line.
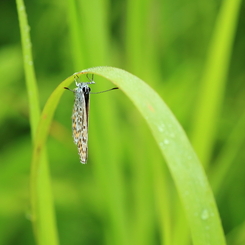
(165, 43)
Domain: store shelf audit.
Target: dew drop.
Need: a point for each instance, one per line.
(161, 127)
(205, 214)
(27, 28)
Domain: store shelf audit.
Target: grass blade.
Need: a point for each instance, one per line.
(213, 82)
(182, 161)
(42, 212)
(31, 83)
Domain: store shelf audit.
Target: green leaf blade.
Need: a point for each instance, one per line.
(182, 161)
(187, 171)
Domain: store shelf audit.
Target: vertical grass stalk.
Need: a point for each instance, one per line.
(42, 211)
(213, 82)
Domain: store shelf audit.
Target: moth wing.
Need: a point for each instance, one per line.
(80, 125)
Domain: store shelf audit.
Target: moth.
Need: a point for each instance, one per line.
(80, 115)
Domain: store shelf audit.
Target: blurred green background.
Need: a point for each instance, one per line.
(174, 47)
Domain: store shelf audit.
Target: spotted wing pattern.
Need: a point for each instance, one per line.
(80, 120)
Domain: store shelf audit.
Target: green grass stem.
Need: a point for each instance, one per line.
(42, 211)
(213, 82)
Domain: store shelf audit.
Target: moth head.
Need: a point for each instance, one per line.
(86, 89)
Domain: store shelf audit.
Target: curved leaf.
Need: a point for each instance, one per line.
(182, 161)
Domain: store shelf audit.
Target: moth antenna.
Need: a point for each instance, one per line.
(68, 89)
(91, 80)
(76, 79)
(104, 91)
